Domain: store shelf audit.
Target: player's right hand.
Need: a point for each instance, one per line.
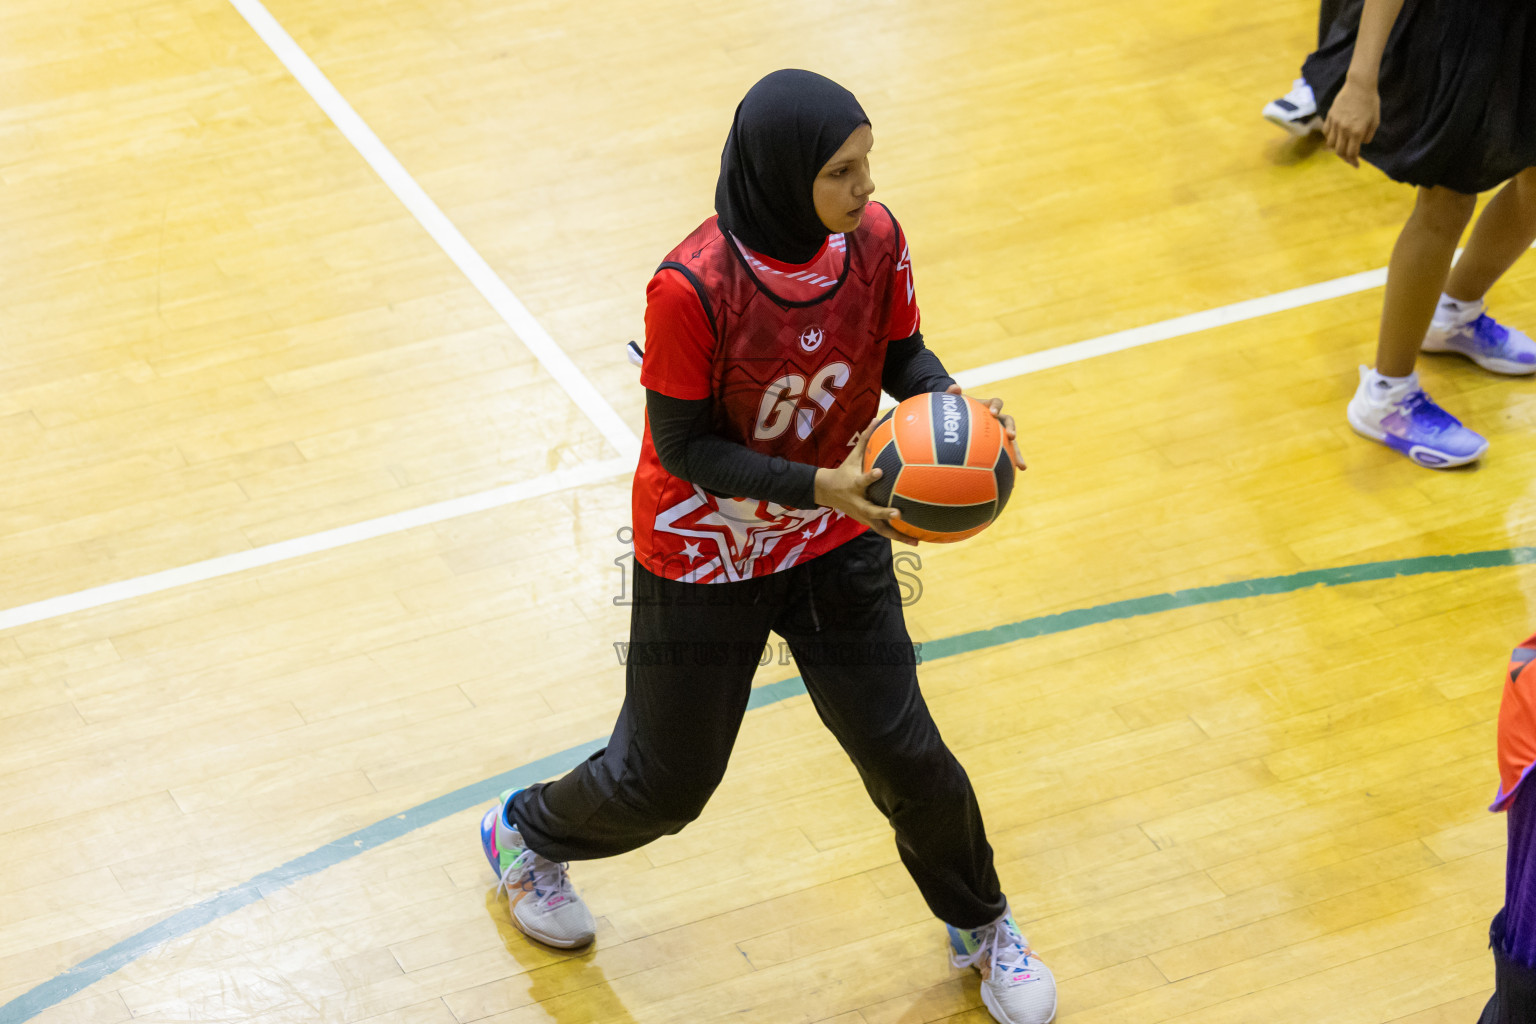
(842, 489)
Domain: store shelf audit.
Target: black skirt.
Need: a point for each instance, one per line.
(1514, 985)
(1458, 91)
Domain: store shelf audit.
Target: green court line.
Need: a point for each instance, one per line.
(98, 966)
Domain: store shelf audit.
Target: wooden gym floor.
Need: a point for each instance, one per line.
(243, 797)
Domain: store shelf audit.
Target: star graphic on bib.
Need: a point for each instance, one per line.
(728, 535)
(739, 517)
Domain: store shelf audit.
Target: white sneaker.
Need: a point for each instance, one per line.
(1296, 111)
(1481, 339)
(1404, 418)
(544, 903)
(1016, 987)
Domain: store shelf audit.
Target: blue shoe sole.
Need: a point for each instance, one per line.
(1432, 458)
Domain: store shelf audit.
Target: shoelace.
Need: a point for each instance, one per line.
(546, 879)
(1006, 950)
(1427, 414)
(1490, 332)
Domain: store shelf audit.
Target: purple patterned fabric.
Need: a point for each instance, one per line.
(1520, 880)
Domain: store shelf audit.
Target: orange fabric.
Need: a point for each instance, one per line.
(1517, 722)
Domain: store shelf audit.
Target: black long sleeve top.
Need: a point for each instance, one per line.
(689, 449)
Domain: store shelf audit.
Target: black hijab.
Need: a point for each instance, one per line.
(785, 130)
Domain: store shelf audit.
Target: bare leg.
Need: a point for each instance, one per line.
(1504, 231)
(1420, 262)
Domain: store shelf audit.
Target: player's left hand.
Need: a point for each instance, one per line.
(996, 406)
(1352, 121)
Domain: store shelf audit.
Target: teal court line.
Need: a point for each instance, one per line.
(94, 968)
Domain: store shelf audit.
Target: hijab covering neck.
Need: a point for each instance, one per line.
(785, 130)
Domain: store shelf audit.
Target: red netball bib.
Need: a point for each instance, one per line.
(794, 370)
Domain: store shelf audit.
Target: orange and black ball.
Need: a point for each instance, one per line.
(944, 464)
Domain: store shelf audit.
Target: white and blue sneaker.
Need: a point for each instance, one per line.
(544, 904)
(1401, 416)
(1296, 111)
(1482, 339)
(1016, 987)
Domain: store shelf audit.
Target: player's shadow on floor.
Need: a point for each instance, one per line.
(1287, 151)
(569, 987)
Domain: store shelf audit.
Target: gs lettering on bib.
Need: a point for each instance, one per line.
(795, 373)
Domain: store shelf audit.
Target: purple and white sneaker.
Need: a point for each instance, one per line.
(544, 903)
(1403, 417)
(1483, 340)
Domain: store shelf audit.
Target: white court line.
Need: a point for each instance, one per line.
(597, 471)
(426, 212)
(282, 551)
(1249, 309)
(1237, 312)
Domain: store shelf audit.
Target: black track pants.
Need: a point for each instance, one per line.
(1344, 13)
(693, 650)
